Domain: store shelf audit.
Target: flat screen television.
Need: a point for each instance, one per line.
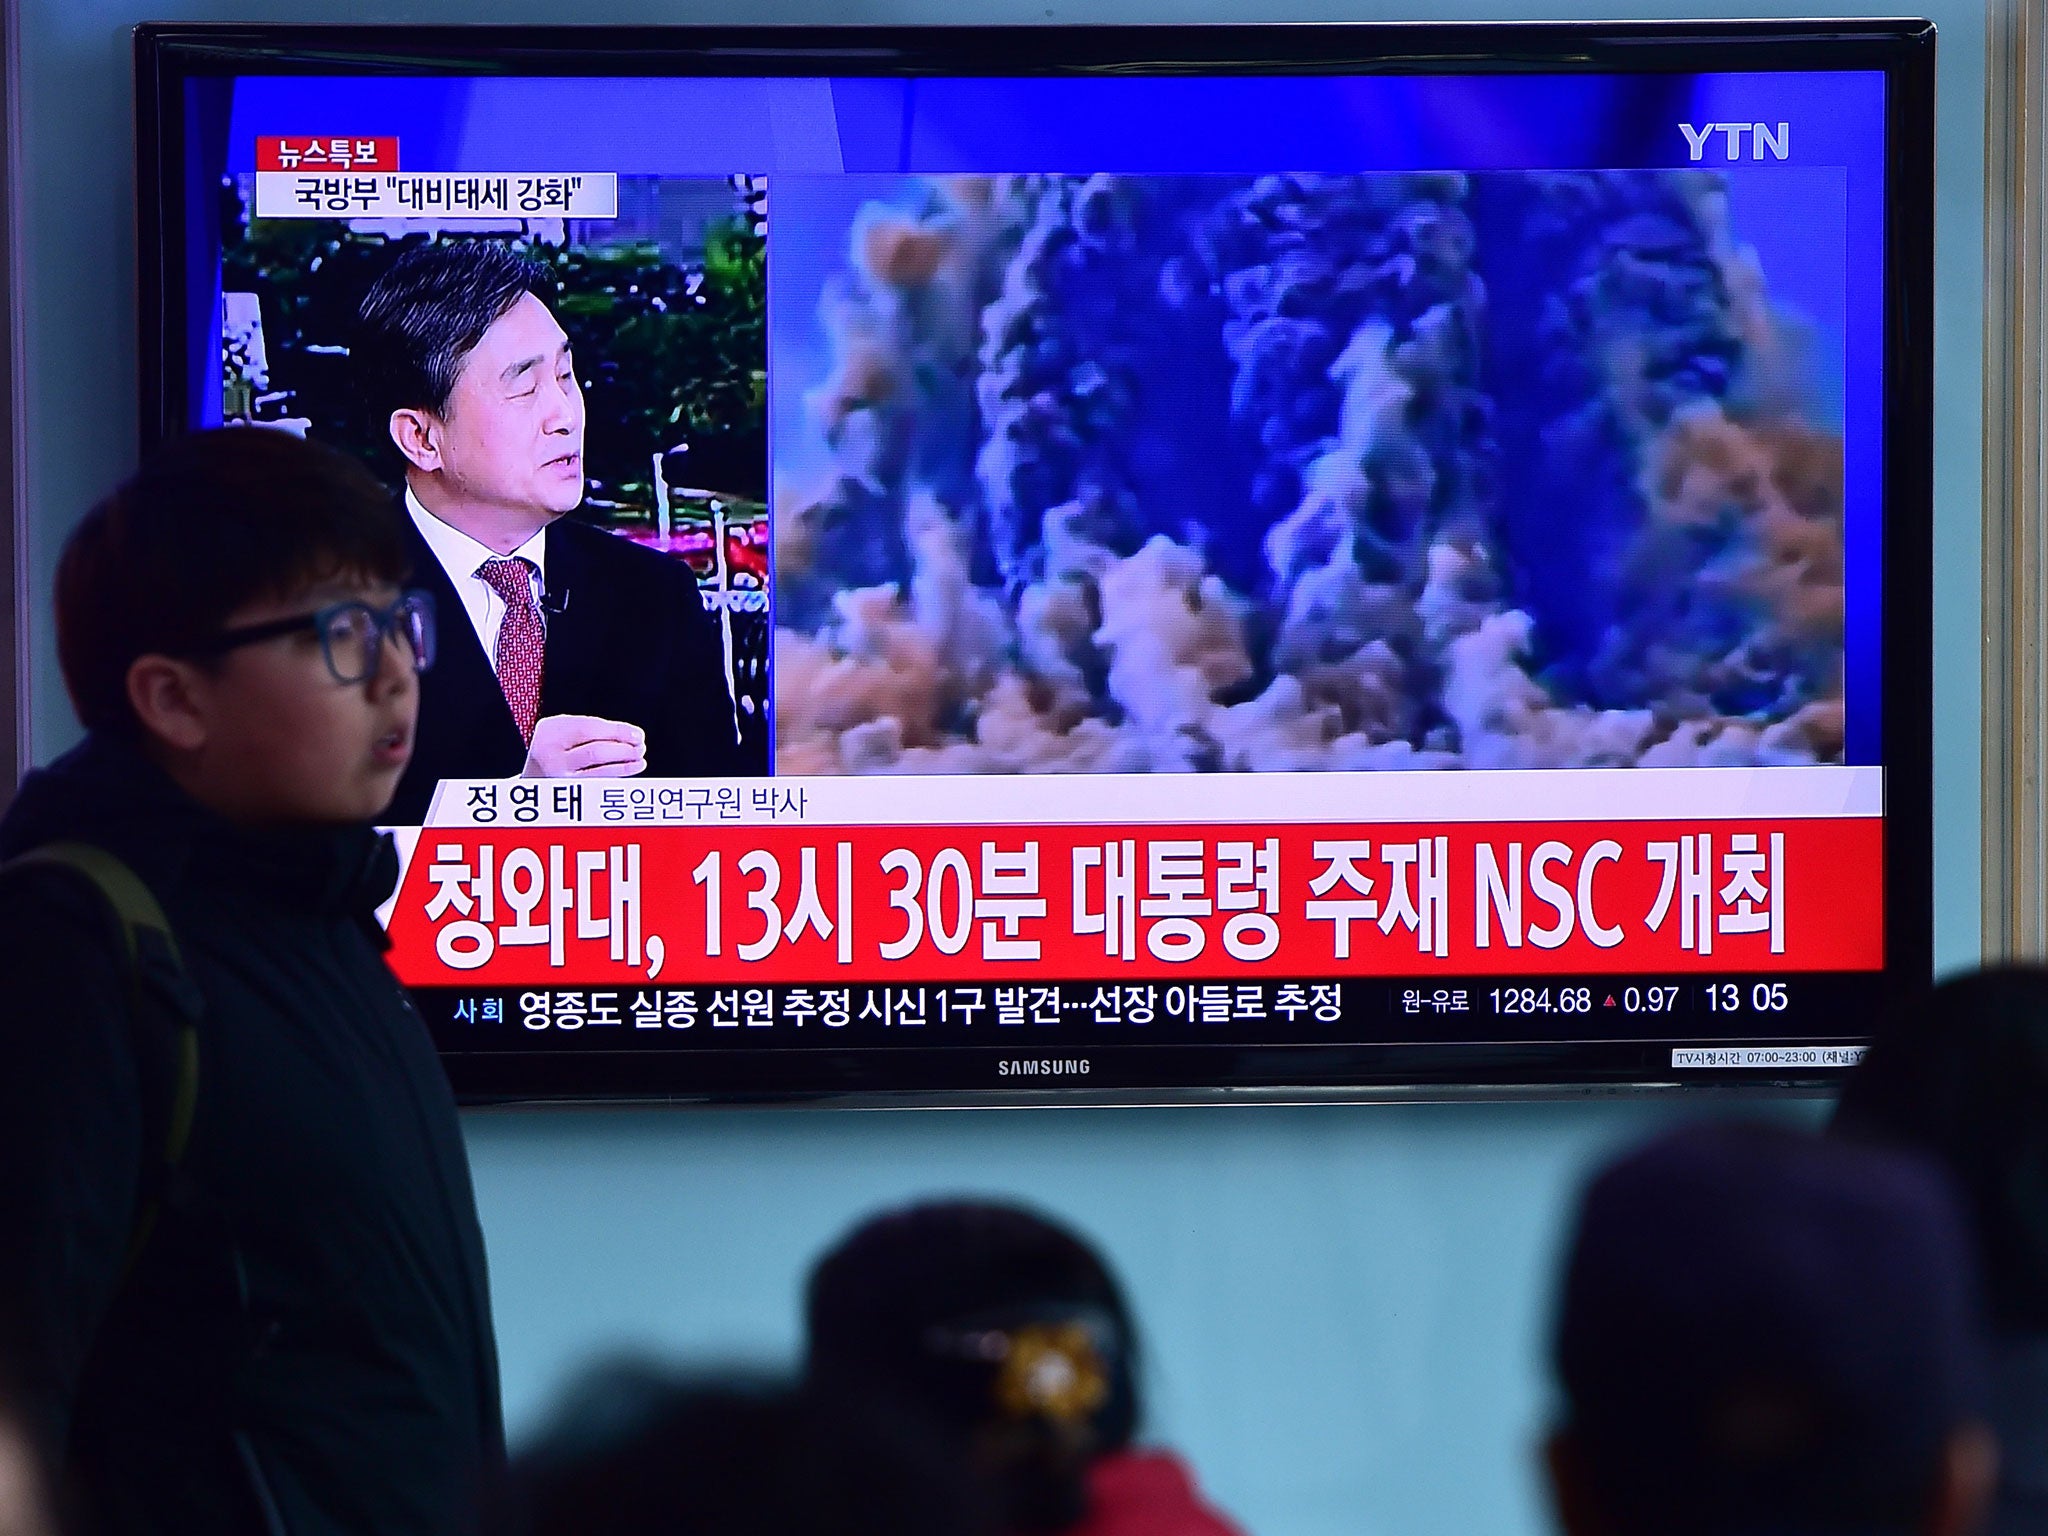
(1161, 561)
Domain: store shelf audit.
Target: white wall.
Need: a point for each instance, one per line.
(1344, 1304)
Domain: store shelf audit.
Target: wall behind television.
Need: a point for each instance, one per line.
(1344, 1306)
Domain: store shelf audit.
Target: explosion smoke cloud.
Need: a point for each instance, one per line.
(1197, 473)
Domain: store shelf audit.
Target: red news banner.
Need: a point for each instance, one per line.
(1082, 878)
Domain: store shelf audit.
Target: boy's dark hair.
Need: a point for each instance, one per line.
(425, 315)
(878, 1304)
(211, 522)
(1961, 1074)
(637, 1453)
(1761, 1329)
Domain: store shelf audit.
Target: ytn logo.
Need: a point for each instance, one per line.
(1732, 134)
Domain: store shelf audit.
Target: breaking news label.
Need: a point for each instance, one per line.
(325, 152)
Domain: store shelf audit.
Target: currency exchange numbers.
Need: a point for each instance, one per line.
(1542, 999)
(1649, 999)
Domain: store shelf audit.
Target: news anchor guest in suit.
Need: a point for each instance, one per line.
(567, 652)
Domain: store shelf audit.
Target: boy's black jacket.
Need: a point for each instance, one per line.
(305, 1341)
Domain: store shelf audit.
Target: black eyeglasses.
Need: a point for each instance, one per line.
(351, 634)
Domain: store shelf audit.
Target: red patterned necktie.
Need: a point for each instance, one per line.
(522, 640)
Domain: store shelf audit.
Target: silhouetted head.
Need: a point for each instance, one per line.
(636, 1452)
(999, 1326)
(1761, 1330)
(1961, 1074)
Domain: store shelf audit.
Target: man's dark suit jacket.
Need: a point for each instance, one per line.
(628, 638)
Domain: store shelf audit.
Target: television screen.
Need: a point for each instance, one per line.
(1109, 562)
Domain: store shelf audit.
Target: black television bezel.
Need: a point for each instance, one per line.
(167, 54)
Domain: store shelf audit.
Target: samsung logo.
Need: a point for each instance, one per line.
(1042, 1067)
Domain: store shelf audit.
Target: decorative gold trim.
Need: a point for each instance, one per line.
(2015, 728)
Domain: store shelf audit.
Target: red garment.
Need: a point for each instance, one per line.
(1147, 1493)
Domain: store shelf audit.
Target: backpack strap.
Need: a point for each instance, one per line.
(159, 993)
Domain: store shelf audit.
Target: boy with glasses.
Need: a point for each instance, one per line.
(241, 1277)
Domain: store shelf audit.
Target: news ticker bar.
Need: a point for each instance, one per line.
(1800, 1034)
(1115, 1013)
(1537, 794)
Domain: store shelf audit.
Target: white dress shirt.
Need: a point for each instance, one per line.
(460, 555)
